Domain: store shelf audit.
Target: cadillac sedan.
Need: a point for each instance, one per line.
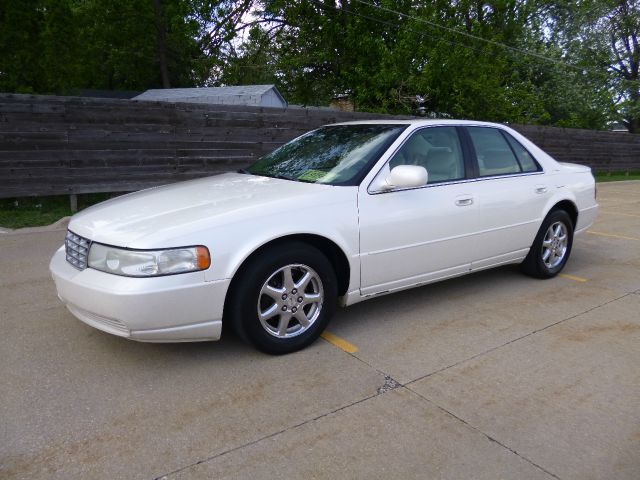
(341, 214)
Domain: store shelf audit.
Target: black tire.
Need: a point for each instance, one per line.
(534, 264)
(242, 307)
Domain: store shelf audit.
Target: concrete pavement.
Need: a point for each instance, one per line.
(494, 375)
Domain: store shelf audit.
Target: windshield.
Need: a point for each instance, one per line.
(335, 155)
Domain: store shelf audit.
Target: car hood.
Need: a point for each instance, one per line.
(152, 218)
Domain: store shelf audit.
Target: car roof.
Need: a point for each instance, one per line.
(420, 122)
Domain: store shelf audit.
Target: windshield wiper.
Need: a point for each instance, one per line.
(281, 177)
(275, 175)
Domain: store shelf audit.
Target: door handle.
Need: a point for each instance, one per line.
(464, 201)
(541, 189)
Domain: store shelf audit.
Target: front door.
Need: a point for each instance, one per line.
(414, 236)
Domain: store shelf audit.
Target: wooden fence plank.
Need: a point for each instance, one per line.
(62, 145)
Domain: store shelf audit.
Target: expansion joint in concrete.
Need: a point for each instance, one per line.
(489, 437)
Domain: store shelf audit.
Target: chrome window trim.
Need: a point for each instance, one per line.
(457, 182)
(454, 182)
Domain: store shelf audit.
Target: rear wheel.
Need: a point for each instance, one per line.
(551, 248)
(283, 300)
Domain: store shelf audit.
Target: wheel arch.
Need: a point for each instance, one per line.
(334, 253)
(569, 207)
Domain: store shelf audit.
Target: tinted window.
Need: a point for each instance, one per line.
(495, 157)
(437, 149)
(336, 154)
(527, 162)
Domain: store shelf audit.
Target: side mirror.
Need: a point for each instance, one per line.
(407, 176)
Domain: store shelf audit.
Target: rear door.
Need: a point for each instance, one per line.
(511, 191)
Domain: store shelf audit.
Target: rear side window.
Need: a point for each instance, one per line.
(527, 162)
(494, 154)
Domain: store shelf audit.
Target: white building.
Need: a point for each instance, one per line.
(252, 95)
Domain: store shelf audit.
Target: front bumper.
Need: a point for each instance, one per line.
(174, 308)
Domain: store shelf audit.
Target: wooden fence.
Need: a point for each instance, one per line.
(69, 145)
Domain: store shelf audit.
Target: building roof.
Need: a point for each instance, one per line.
(256, 95)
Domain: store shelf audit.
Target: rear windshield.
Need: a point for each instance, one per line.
(334, 155)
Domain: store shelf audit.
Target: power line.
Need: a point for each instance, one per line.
(384, 22)
(440, 39)
(395, 25)
(476, 37)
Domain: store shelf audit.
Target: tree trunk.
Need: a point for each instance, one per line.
(161, 37)
(633, 115)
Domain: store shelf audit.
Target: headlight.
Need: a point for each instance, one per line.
(148, 263)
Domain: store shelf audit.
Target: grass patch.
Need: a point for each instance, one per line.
(39, 211)
(616, 176)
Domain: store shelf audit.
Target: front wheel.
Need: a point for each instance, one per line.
(284, 298)
(551, 248)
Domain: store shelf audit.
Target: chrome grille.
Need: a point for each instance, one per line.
(77, 249)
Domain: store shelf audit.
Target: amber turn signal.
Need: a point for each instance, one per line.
(203, 258)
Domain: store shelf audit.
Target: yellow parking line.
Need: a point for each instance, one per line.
(620, 213)
(612, 235)
(571, 277)
(339, 342)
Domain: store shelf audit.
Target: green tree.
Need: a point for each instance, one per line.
(560, 62)
(491, 60)
(61, 46)
(605, 34)
(21, 22)
(138, 44)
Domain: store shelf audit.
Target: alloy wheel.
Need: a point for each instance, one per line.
(290, 301)
(554, 245)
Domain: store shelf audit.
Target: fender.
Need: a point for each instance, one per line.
(562, 193)
(230, 252)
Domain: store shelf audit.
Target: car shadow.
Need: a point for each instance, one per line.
(380, 309)
(431, 295)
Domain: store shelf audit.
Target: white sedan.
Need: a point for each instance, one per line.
(341, 214)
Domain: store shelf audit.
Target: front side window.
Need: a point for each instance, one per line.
(437, 149)
(494, 154)
(334, 155)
